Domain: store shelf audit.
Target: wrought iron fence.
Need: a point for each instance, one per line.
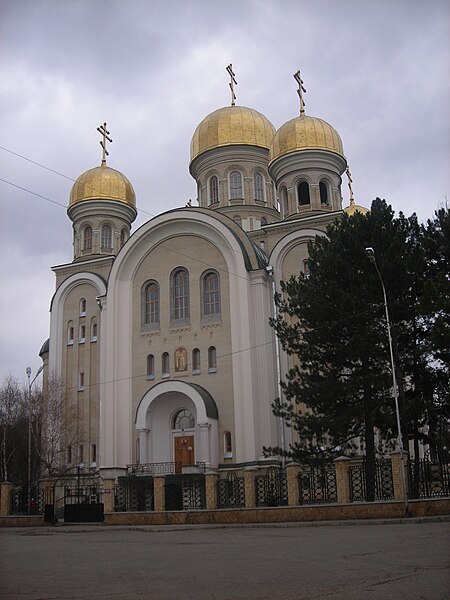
(134, 494)
(231, 491)
(317, 485)
(185, 492)
(20, 504)
(430, 477)
(162, 468)
(271, 488)
(383, 482)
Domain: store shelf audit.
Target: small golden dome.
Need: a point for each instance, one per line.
(305, 133)
(353, 208)
(232, 125)
(105, 183)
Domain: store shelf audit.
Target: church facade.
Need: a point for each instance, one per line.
(162, 336)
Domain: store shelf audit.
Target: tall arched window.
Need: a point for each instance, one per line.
(210, 295)
(212, 360)
(165, 364)
(196, 360)
(87, 238)
(323, 189)
(150, 366)
(94, 329)
(235, 185)
(258, 187)
(70, 332)
(123, 237)
(303, 193)
(263, 221)
(227, 445)
(82, 307)
(213, 190)
(180, 294)
(151, 304)
(106, 239)
(284, 201)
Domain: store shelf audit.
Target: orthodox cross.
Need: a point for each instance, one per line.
(300, 91)
(350, 181)
(232, 83)
(105, 134)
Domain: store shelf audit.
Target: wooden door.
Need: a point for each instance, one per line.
(184, 451)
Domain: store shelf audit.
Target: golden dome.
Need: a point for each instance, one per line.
(102, 182)
(232, 125)
(305, 133)
(353, 208)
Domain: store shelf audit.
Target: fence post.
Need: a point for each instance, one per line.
(211, 489)
(341, 466)
(249, 483)
(5, 498)
(108, 495)
(159, 493)
(397, 479)
(292, 471)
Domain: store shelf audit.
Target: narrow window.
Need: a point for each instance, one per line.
(106, 239)
(81, 381)
(81, 454)
(94, 328)
(70, 332)
(227, 445)
(93, 453)
(237, 219)
(212, 360)
(235, 185)
(303, 193)
(284, 202)
(196, 360)
(263, 221)
(305, 267)
(323, 192)
(150, 366)
(82, 307)
(165, 365)
(213, 190)
(211, 295)
(87, 238)
(69, 454)
(258, 185)
(82, 337)
(180, 295)
(151, 303)
(123, 237)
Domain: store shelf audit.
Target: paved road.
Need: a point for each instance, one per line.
(346, 562)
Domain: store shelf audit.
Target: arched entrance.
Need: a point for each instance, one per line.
(177, 422)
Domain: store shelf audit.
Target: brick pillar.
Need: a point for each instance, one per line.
(342, 465)
(5, 498)
(249, 482)
(292, 471)
(397, 465)
(108, 495)
(159, 493)
(211, 490)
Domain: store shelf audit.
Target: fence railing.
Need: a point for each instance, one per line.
(317, 485)
(383, 481)
(162, 468)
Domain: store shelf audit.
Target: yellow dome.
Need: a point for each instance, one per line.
(305, 133)
(102, 182)
(232, 125)
(353, 208)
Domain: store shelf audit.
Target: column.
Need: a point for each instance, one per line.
(292, 471)
(399, 462)
(211, 490)
(159, 493)
(5, 498)
(108, 495)
(342, 465)
(249, 483)
(143, 446)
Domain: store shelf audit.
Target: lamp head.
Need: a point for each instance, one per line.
(28, 371)
(370, 253)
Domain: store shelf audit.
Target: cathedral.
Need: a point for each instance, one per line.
(162, 336)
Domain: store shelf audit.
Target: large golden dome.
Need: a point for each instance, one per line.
(232, 125)
(104, 183)
(305, 133)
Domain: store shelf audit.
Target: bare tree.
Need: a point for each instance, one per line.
(11, 413)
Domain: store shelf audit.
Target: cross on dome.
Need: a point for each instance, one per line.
(300, 91)
(105, 134)
(232, 83)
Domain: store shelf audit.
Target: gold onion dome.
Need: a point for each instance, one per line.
(353, 208)
(229, 126)
(102, 183)
(305, 133)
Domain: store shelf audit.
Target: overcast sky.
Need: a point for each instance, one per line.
(377, 70)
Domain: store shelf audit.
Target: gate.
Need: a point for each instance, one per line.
(185, 492)
(134, 494)
(231, 491)
(83, 504)
(430, 477)
(271, 488)
(317, 485)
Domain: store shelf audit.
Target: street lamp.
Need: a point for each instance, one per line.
(30, 383)
(370, 253)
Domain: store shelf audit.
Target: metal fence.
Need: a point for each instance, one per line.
(383, 482)
(35, 506)
(185, 492)
(134, 494)
(317, 485)
(271, 488)
(162, 468)
(231, 491)
(430, 477)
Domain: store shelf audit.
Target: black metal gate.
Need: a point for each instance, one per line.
(271, 488)
(231, 491)
(430, 477)
(317, 484)
(83, 504)
(134, 493)
(185, 492)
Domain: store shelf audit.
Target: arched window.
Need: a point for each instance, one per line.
(213, 190)
(235, 185)
(212, 360)
(180, 294)
(284, 201)
(196, 360)
(227, 445)
(94, 328)
(263, 221)
(237, 219)
(150, 366)
(303, 193)
(151, 304)
(93, 454)
(82, 334)
(123, 237)
(87, 238)
(323, 189)
(258, 187)
(183, 419)
(70, 332)
(305, 267)
(82, 307)
(165, 364)
(210, 295)
(106, 239)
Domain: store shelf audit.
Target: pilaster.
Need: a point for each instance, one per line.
(249, 483)
(159, 493)
(211, 490)
(292, 471)
(5, 498)
(342, 465)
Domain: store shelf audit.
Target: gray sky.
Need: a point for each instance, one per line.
(376, 70)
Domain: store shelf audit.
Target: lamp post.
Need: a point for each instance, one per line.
(370, 253)
(30, 383)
